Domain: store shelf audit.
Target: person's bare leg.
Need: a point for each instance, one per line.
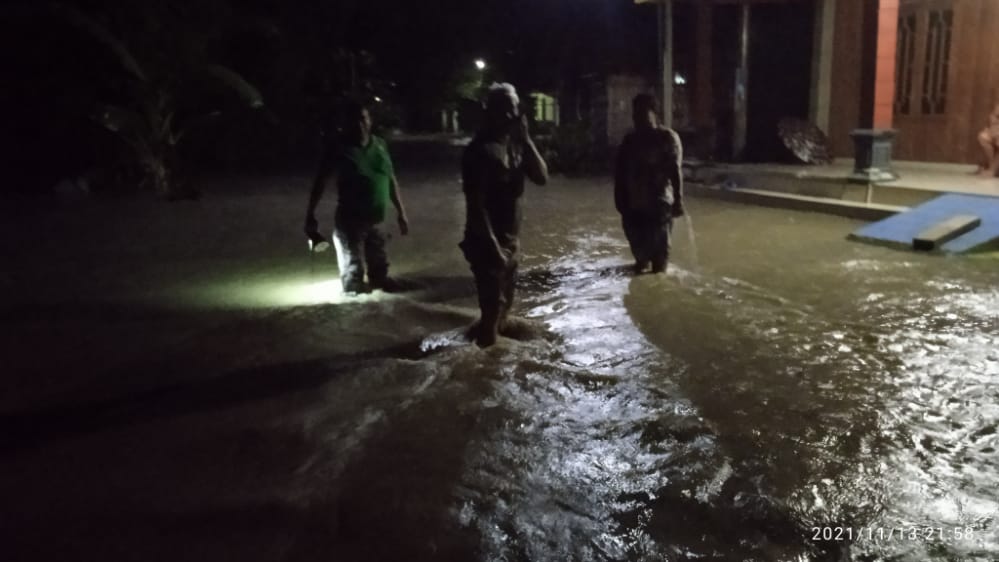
(988, 144)
(993, 168)
(508, 290)
(485, 331)
(488, 327)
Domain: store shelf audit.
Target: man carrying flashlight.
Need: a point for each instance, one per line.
(366, 183)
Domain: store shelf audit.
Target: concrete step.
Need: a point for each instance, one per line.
(831, 182)
(783, 200)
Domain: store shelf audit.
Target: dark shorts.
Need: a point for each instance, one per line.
(649, 237)
(495, 282)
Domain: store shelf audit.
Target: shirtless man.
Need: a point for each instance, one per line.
(989, 139)
(648, 185)
(494, 168)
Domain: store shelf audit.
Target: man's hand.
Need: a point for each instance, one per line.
(311, 224)
(503, 257)
(522, 131)
(678, 210)
(317, 242)
(403, 224)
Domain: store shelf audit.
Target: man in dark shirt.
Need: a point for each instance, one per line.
(648, 185)
(366, 183)
(494, 167)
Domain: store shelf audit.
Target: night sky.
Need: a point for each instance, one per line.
(413, 54)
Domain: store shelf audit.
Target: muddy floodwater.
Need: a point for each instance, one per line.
(183, 382)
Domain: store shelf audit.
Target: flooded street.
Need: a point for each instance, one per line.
(781, 394)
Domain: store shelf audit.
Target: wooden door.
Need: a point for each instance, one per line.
(945, 69)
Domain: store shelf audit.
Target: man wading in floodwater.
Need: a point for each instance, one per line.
(365, 184)
(493, 169)
(648, 185)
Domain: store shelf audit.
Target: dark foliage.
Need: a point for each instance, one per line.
(304, 58)
(570, 150)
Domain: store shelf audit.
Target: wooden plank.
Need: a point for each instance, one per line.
(945, 231)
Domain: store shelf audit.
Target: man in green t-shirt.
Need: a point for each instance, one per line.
(366, 183)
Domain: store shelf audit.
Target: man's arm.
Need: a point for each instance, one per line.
(676, 174)
(394, 195)
(318, 188)
(477, 216)
(397, 201)
(534, 165)
(621, 175)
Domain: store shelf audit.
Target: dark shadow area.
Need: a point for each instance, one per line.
(242, 531)
(25, 431)
(399, 503)
(98, 311)
(391, 500)
(268, 530)
(724, 58)
(425, 156)
(780, 54)
(436, 288)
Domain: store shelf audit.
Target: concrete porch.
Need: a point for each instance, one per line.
(828, 189)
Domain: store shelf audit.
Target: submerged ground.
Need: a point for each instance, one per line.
(182, 382)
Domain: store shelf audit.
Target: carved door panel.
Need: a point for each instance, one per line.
(924, 79)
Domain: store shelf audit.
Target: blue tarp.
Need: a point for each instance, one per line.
(899, 230)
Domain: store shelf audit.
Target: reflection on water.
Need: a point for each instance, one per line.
(735, 413)
(776, 383)
(945, 413)
(688, 221)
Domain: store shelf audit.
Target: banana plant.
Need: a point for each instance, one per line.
(151, 122)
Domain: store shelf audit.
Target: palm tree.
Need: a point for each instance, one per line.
(161, 104)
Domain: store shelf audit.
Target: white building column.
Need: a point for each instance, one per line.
(822, 57)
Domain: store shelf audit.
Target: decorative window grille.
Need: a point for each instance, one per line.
(905, 55)
(938, 33)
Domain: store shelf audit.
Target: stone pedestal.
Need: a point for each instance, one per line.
(872, 155)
